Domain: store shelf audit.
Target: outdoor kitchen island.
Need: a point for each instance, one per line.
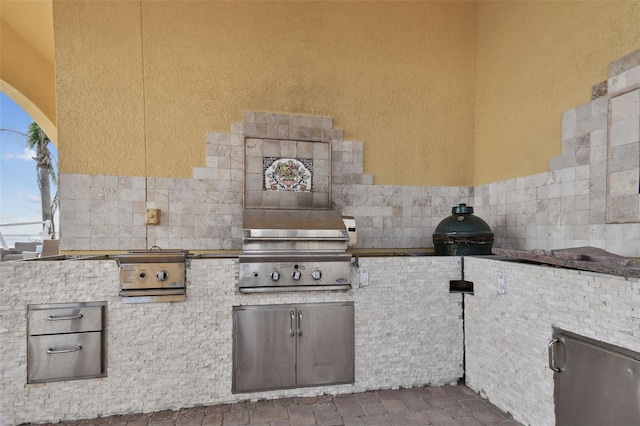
(408, 332)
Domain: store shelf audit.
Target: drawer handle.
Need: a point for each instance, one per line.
(52, 318)
(63, 351)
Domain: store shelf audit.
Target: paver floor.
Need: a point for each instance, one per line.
(438, 406)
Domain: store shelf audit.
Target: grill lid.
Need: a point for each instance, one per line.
(293, 225)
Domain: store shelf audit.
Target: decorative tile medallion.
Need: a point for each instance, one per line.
(287, 174)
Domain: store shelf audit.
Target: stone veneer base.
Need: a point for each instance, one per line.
(507, 334)
(408, 332)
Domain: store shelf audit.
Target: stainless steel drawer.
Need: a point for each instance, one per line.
(65, 319)
(65, 356)
(66, 341)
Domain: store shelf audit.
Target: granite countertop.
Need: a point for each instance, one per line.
(362, 252)
(231, 254)
(400, 252)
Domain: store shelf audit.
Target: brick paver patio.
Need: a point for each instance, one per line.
(438, 406)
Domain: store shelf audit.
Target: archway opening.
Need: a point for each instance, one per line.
(20, 192)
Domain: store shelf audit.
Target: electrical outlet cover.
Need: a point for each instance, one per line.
(502, 285)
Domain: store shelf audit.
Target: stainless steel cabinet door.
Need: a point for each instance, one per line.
(596, 384)
(264, 348)
(325, 344)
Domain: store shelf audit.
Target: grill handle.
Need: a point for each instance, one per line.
(259, 238)
(293, 318)
(274, 289)
(299, 323)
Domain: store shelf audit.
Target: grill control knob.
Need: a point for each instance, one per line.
(162, 275)
(275, 276)
(296, 275)
(316, 275)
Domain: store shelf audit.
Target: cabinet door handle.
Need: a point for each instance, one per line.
(52, 318)
(551, 345)
(293, 318)
(299, 323)
(63, 351)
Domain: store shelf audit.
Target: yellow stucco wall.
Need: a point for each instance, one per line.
(140, 84)
(27, 77)
(536, 60)
(441, 93)
(100, 88)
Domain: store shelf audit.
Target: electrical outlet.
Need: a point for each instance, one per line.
(153, 216)
(364, 278)
(502, 285)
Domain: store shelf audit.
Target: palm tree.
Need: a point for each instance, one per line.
(38, 140)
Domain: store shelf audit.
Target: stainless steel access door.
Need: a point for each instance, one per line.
(325, 344)
(285, 346)
(595, 383)
(263, 348)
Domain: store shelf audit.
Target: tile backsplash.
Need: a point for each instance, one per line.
(588, 197)
(205, 212)
(301, 145)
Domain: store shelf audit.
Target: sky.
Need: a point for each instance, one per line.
(19, 193)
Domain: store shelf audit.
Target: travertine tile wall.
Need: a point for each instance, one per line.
(408, 332)
(399, 216)
(287, 136)
(589, 196)
(205, 213)
(102, 212)
(507, 334)
(623, 164)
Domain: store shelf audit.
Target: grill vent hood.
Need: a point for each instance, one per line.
(293, 225)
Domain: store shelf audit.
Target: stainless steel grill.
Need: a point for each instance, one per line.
(294, 250)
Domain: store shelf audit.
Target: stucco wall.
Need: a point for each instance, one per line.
(399, 76)
(99, 89)
(534, 61)
(27, 77)
(155, 77)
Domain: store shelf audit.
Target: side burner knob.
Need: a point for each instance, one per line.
(162, 275)
(316, 274)
(275, 276)
(296, 275)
